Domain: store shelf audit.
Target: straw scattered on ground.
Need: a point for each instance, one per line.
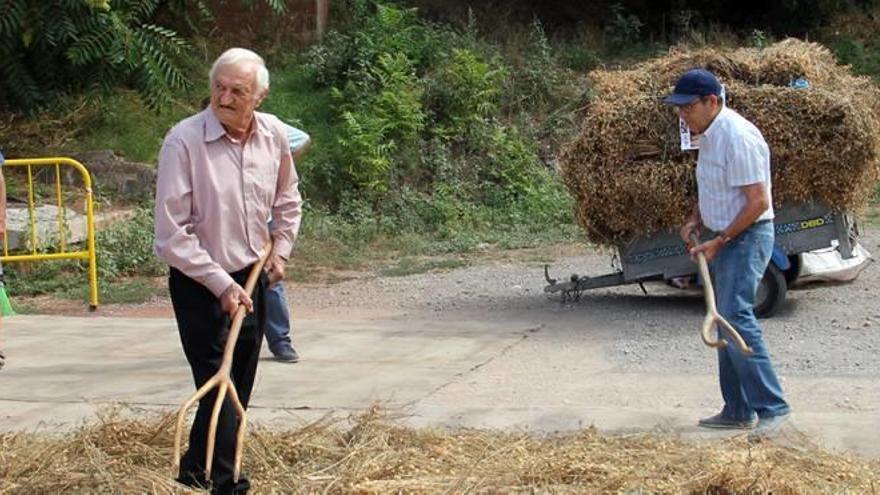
(372, 453)
(629, 177)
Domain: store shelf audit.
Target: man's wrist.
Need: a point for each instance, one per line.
(723, 238)
(227, 290)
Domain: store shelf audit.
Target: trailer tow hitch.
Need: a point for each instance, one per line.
(570, 291)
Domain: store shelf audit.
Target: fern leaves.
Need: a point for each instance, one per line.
(53, 47)
(60, 46)
(12, 18)
(157, 72)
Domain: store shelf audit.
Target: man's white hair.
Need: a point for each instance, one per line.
(242, 56)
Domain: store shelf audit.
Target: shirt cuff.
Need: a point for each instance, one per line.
(218, 282)
(282, 247)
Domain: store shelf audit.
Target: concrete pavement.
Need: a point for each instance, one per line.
(475, 373)
(61, 370)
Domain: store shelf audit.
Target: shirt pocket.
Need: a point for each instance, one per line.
(711, 175)
(265, 181)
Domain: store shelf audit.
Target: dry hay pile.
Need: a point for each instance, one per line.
(372, 454)
(629, 177)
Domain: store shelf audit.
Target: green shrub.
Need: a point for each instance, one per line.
(463, 93)
(864, 58)
(126, 248)
(427, 119)
(380, 115)
(759, 39)
(123, 249)
(44, 277)
(578, 57)
(535, 81)
(376, 30)
(510, 164)
(374, 70)
(623, 29)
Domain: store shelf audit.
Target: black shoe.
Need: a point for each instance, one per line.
(286, 354)
(193, 480)
(198, 482)
(240, 488)
(720, 422)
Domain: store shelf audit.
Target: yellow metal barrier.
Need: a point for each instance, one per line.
(63, 253)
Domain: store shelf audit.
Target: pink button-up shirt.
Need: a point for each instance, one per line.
(214, 197)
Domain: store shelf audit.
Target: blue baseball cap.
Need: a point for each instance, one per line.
(692, 85)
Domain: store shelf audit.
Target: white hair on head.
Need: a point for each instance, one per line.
(242, 56)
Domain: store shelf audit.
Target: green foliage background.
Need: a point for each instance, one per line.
(434, 130)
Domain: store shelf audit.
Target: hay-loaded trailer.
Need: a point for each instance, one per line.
(664, 257)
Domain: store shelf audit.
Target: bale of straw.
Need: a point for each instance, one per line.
(823, 146)
(629, 177)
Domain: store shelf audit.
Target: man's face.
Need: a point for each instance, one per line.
(234, 95)
(699, 113)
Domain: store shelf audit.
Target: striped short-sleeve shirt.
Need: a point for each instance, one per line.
(732, 154)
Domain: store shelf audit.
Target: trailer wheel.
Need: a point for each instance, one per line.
(771, 292)
(794, 269)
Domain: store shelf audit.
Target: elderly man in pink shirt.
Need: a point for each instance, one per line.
(223, 173)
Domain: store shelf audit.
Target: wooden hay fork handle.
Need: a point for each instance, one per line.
(712, 316)
(223, 382)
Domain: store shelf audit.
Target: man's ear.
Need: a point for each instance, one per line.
(262, 97)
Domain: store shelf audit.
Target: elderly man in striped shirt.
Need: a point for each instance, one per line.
(222, 174)
(734, 202)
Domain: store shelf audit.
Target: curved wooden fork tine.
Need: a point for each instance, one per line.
(734, 334)
(181, 415)
(242, 428)
(212, 426)
(706, 334)
(222, 380)
(712, 315)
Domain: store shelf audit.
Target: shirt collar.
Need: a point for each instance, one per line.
(262, 126)
(214, 130)
(715, 122)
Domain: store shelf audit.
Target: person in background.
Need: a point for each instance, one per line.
(278, 324)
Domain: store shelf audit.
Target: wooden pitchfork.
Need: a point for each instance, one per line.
(712, 316)
(223, 381)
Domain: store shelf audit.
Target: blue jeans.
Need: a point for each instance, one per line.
(277, 317)
(749, 384)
